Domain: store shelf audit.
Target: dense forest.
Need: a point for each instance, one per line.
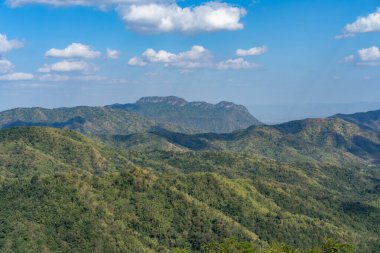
(64, 192)
(108, 179)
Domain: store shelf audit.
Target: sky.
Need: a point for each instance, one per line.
(56, 53)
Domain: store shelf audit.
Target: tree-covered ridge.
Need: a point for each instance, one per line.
(333, 141)
(330, 140)
(367, 120)
(121, 201)
(85, 119)
(223, 117)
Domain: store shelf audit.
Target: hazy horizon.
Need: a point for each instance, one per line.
(266, 113)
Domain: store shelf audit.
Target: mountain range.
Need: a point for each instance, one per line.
(126, 178)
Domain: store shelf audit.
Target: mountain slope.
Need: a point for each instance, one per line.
(201, 116)
(367, 120)
(117, 201)
(313, 140)
(87, 120)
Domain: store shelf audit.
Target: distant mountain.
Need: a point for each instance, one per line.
(85, 119)
(223, 117)
(343, 138)
(367, 120)
(64, 192)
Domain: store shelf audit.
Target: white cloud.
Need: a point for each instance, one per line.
(370, 23)
(113, 54)
(252, 52)
(161, 56)
(365, 57)
(65, 66)
(369, 54)
(5, 66)
(238, 63)
(197, 57)
(157, 18)
(136, 61)
(8, 45)
(17, 76)
(74, 50)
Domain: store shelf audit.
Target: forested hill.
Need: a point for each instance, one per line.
(368, 120)
(63, 192)
(223, 117)
(85, 119)
(333, 141)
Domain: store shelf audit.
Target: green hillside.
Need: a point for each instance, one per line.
(331, 141)
(63, 192)
(223, 117)
(367, 120)
(85, 119)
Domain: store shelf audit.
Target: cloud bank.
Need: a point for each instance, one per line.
(163, 18)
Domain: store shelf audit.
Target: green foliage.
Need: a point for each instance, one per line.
(63, 192)
(323, 141)
(229, 245)
(234, 246)
(366, 120)
(87, 120)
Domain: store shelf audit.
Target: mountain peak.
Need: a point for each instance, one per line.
(230, 105)
(222, 117)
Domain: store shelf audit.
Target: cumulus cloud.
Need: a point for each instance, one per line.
(364, 57)
(113, 54)
(252, 52)
(7, 45)
(238, 63)
(158, 18)
(65, 66)
(136, 61)
(5, 66)
(370, 23)
(17, 76)
(74, 50)
(197, 57)
(369, 54)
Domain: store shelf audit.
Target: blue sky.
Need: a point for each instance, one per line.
(54, 52)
